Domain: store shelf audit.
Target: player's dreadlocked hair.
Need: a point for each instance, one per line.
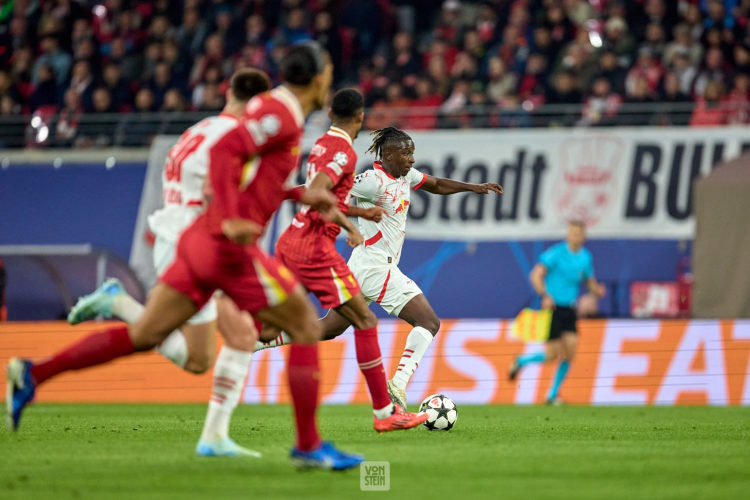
(383, 136)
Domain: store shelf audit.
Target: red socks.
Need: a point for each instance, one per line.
(96, 349)
(304, 378)
(371, 365)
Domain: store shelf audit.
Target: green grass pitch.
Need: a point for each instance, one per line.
(504, 452)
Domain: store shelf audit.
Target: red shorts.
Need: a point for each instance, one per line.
(314, 260)
(206, 262)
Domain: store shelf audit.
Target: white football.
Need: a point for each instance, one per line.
(441, 411)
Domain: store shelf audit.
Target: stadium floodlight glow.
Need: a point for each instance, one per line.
(99, 11)
(595, 39)
(42, 134)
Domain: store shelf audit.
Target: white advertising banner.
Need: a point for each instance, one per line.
(623, 182)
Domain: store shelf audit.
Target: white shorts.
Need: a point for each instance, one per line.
(383, 283)
(164, 252)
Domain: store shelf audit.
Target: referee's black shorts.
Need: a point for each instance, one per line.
(563, 320)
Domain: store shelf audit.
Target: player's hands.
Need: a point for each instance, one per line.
(321, 200)
(547, 302)
(355, 238)
(599, 290)
(487, 188)
(241, 231)
(374, 214)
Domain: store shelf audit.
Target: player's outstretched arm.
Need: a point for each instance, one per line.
(441, 185)
(374, 214)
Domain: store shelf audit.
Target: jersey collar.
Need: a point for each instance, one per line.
(228, 115)
(286, 96)
(340, 132)
(379, 166)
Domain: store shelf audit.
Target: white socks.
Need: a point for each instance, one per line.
(417, 342)
(229, 374)
(384, 412)
(174, 347)
(282, 339)
(126, 308)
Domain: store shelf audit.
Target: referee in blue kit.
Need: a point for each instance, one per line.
(557, 278)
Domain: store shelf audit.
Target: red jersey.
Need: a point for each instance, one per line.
(250, 165)
(332, 154)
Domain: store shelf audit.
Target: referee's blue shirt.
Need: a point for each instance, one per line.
(565, 271)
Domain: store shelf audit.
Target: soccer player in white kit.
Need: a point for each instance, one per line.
(388, 185)
(192, 347)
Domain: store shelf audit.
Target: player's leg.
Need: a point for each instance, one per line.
(370, 360)
(402, 297)
(165, 310)
(333, 325)
(232, 363)
(568, 346)
(419, 314)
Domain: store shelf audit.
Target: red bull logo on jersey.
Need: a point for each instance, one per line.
(402, 206)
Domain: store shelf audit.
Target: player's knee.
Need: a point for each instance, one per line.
(432, 324)
(197, 363)
(307, 333)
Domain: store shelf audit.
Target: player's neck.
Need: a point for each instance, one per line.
(306, 98)
(234, 108)
(351, 129)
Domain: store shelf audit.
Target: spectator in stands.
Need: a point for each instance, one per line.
(563, 90)
(402, 59)
(501, 81)
(327, 34)
(191, 33)
(737, 102)
(602, 105)
(742, 59)
(655, 40)
(713, 69)
(709, 110)
(161, 83)
(54, 57)
(512, 113)
(675, 106)
(92, 129)
(618, 41)
(646, 67)
(173, 101)
(423, 115)
(213, 56)
(682, 43)
(213, 98)
(609, 68)
(67, 121)
(119, 90)
(685, 72)
(255, 30)
(82, 81)
(641, 99)
(532, 84)
(45, 92)
(8, 88)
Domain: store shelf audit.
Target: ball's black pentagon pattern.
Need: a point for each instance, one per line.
(441, 410)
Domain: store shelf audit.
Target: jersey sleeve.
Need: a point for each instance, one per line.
(338, 163)
(366, 186)
(549, 258)
(416, 178)
(225, 171)
(588, 268)
(266, 128)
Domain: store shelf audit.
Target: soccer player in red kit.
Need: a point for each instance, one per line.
(307, 248)
(248, 169)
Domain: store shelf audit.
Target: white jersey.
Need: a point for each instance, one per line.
(185, 172)
(384, 239)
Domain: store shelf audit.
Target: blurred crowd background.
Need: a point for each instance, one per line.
(421, 64)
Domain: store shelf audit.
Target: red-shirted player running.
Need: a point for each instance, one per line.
(307, 248)
(248, 169)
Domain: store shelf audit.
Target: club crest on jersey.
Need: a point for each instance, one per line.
(270, 124)
(341, 158)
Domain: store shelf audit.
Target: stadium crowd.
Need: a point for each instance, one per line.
(421, 64)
